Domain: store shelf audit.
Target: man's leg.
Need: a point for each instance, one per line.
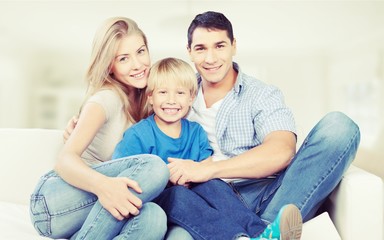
(317, 168)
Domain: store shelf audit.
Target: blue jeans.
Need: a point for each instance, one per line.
(59, 210)
(315, 171)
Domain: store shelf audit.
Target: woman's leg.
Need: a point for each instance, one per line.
(150, 224)
(152, 175)
(175, 232)
(58, 210)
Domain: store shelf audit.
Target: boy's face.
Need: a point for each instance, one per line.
(212, 51)
(170, 103)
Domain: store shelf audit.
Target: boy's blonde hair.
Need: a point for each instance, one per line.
(172, 71)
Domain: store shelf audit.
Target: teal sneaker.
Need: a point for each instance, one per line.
(261, 238)
(286, 226)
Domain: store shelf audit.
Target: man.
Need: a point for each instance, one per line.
(253, 135)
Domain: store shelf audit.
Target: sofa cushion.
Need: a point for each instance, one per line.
(15, 222)
(25, 155)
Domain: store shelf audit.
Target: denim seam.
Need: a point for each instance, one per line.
(135, 221)
(90, 226)
(47, 216)
(239, 196)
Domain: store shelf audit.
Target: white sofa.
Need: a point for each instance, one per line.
(354, 210)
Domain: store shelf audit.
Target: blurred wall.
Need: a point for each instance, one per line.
(324, 55)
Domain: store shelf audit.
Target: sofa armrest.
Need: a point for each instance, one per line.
(356, 205)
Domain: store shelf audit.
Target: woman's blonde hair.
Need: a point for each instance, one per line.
(171, 71)
(105, 45)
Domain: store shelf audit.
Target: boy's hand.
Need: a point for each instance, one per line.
(183, 172)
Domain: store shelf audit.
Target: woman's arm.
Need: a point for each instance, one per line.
(112, 193)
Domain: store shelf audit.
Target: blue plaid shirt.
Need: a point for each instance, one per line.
(249, 112)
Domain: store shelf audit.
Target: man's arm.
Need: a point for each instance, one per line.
(273, 155)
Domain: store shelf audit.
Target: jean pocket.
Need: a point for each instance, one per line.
(41, 219)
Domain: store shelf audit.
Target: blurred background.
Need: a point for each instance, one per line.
(324, 55)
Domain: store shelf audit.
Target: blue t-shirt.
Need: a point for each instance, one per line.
(146, 137)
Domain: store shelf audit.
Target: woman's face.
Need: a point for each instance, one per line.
(132, 62)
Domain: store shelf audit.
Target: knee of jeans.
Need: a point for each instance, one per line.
(40, 216)
(158, 169)
(149, 164)
(340, 128)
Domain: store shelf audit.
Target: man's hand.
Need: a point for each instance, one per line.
(184, 171)
(116, 197)
(69, 128)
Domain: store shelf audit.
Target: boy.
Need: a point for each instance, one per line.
(171, 89)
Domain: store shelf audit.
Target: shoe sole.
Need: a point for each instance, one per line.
(291, 223)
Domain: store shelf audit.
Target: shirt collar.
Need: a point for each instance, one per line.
(239, 81)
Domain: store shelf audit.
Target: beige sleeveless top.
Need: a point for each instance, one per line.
(106, 139)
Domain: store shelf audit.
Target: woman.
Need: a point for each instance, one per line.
(85, 187)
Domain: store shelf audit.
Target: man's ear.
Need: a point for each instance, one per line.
(189, 52)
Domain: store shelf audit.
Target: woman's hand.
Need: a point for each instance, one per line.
(115, 195)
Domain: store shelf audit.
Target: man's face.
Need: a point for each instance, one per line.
(211, 51)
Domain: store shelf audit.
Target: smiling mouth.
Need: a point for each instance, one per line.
(212, 69)
(139, 75)
(171, 110)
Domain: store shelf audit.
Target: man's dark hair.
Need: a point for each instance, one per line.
(210, 20)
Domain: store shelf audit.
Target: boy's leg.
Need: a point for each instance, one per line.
(317, 168)
(219, 195)
(188, 210)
